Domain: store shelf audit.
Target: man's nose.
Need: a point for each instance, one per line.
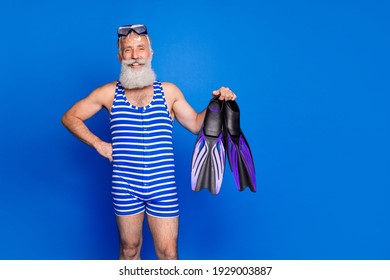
(134, 54)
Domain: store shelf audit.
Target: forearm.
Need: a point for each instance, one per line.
(77, 127)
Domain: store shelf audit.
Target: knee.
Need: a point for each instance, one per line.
(167, 253)
(130, 251)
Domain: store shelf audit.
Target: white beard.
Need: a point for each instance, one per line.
(136, 78)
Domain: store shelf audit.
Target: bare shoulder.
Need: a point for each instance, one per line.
(169, 86)
(107, 89)
(104, 95)
(172, 91)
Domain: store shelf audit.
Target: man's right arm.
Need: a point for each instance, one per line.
(74, 118)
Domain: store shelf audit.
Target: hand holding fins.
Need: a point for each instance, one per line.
(222, 132)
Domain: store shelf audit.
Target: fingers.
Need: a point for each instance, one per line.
(105, 150)
(225, 93)
(109, 153)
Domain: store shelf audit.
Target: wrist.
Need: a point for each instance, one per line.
(96, 143)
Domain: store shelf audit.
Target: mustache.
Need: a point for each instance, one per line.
(131, 62)
(136, 78)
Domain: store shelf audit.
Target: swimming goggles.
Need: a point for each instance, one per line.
(125, 30)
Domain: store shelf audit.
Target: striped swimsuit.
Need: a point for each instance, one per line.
(143, 163)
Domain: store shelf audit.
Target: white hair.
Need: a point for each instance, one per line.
(136, 78)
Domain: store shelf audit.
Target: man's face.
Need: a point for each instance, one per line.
(136, 71)
(135, 47)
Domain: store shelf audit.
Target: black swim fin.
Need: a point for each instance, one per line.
(238, 150)
(208, 158)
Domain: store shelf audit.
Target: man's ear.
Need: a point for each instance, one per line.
(119, 57)
(151, 54)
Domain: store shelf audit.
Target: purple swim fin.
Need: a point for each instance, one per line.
(208, 158)
(238, 150)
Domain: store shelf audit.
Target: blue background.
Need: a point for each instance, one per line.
(313, 84)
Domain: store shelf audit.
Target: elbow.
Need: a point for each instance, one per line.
(193, 125)
(197, 130)
(65, 120)
(198, 125)
(194, 129)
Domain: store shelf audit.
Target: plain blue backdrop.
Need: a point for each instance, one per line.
(312, 79)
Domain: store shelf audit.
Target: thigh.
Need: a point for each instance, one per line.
(164, 232)
(130, 229)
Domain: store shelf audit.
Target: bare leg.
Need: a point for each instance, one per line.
(130, 234)
(165, 233)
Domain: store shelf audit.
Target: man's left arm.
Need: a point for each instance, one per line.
(183, 111)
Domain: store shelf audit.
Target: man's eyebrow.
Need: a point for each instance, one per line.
(137, 46)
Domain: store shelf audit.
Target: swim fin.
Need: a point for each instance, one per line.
(208, 158)
(238, 150)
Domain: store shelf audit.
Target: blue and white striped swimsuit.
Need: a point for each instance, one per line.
(143, 162)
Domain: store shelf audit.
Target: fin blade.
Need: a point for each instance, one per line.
(198, 158)
(208, 164)
(208, 159)
(247, 160)
(233, 160)
(218, 156)
(241, 163)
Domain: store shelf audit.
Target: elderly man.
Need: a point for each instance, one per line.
(141, 111)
